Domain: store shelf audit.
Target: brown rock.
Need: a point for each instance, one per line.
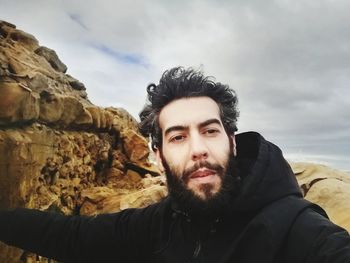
(308, 173)
(135, 146)
(95, 115)
(133, 176)
(84, 118)
(63, 110)
(74, 112)
(332, 195)
(327, 187)
(51, 57)
(7, 24)
(24, 38)
(39, 83)
(16, 66)
(143, 197)
(102, 200)
(122, 120)
(17, 103)
(75, 84)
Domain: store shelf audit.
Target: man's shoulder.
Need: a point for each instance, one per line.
(315, 237)
(314, 225)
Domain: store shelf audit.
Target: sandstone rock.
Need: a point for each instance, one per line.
(40, 83)
(143, 197)
(63, 110)
(333, 195)
(16, 66)
(17, 103)
(76, 84)
(72, 109)
(122, 120)
(27, 39)
(326, 187)
(8, 30)
(51, 56)
(70, 171)
(150, 180)
(133, 176)
(102, 119)
(102, 200)
(135, 146)
(40, 71)
(8, 24)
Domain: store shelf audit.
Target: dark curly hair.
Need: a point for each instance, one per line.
(178, 83)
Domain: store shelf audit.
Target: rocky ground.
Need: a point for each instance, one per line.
(59, 152)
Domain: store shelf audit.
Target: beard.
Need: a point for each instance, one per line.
(215, 203)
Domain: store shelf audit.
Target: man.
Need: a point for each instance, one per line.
(232, 198)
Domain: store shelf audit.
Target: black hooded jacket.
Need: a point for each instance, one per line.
(270, 222)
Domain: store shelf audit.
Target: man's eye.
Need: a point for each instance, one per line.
(211, 131)
(177, 138)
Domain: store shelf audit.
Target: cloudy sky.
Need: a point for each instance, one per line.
(289, 61)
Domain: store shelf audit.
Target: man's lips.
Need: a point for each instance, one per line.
(202, 173)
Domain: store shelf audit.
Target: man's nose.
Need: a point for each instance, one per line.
(199, 151)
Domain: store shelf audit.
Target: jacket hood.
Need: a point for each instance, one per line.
(266, 175)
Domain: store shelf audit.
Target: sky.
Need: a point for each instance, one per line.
(288, 61)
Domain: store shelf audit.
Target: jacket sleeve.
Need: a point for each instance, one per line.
(103, 238)
(317, 240)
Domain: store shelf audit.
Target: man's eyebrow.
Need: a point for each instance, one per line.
(175, 128)
(208, 122)
(182, 127)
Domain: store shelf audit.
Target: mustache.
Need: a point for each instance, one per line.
(219, 169)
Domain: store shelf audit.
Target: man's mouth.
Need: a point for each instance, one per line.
(202, 172)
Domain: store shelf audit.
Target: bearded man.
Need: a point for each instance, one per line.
(232, 198)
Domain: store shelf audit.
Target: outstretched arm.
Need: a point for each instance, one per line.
(103, 238)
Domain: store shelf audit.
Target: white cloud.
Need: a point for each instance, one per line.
(288, 60)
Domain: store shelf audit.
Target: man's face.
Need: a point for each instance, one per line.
(195, 146)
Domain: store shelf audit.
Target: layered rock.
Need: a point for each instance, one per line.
(59, 152)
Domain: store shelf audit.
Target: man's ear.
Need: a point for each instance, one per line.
(159, 160)
(233, 143)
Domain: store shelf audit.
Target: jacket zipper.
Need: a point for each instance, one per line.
(197, 250)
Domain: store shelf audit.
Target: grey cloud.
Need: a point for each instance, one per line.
(289, 61)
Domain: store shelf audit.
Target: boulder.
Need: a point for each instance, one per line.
(51, 57)
(327, 187)
(17, 103)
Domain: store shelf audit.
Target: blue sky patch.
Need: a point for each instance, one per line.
(125, 58)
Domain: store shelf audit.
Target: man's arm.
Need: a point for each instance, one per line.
(103, 238)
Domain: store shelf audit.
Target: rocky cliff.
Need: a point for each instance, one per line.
(59, 152)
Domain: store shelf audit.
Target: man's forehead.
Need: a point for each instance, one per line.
(188, 111)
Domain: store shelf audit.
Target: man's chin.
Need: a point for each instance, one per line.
(205, 190)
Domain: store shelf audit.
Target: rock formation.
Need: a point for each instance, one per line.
(58, 151)
(327, 187)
